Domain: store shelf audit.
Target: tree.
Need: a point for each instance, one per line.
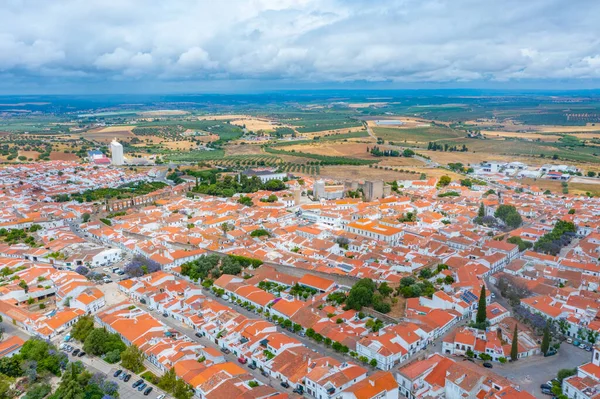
(591, 173)
(69, 387)
(361, 294)
(95, 341)
(82, 328)
(481, 212)
(11, 366)
(183, 390)
(85, 217)
(373, 362)
(444, 181)
(509, 215)
(565, 373)
(133, 359)
(168, 380)
(384, 289)
(514, 349)
(225, 227)
(546, 339)
(140, 265)
(274, 185)
(247, 201)
(481, 317)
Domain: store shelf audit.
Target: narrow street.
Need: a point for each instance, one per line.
(231, 357)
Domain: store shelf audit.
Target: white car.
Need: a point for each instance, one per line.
(161, 396)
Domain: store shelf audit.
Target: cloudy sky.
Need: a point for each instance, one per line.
(90, 46)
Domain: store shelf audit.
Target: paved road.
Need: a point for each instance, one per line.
(531, 373)
(189, 332)
(319, 348)
(125, 388)
(12, 330)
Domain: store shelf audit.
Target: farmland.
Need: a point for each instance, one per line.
(417, 134)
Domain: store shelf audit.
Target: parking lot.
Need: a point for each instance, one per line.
(531, 373)
(126, 389)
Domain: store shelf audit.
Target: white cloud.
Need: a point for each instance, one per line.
(301, 40)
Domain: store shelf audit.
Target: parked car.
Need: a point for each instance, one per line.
(547, 392)
(225, 351)
(198, 334)
(550, 352)
(81, 354)
(165, 314)
(122, 376)
(264, 373)
(251, 366)
(569, 340)
(575, 342)
(76, 352)
(545, 386)
(141, 387)
(161, 396)
(582, 346)
(138, 383)
(242, 360)
(147, 391)
(299, 390)
(117, 373)
(488, 365)
(285, 384)
(588, 348)
(127, 377)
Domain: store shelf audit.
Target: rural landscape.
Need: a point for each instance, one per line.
(286, 199)
(332, 137)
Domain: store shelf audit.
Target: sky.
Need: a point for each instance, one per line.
(152, 46)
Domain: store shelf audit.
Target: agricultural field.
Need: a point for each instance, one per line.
(63, 156)
(107, 134)
(318, 120)
(575, 186)
(423, 134)
(350, 150)
(527, 149)
(195, 156)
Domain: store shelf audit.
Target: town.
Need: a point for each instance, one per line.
(299, 286)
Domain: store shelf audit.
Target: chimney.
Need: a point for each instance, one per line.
(372, 383)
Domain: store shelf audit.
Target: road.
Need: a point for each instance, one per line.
(12, 330)
(190, 333)
(126, 389)
(531, 373)
(93, 364)
(319, 348)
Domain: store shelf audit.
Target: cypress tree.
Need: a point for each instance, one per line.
(481, 212)
(546, 340)
(481, 316)
(514, 349)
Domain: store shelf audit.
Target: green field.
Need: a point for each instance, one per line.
(222, 128)
(527, 148)
(195, 156)
(331, 137)
(418, 134)
(323, 159)
(318, 120)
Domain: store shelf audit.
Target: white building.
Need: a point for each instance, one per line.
(116, 150)
(264, 175)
